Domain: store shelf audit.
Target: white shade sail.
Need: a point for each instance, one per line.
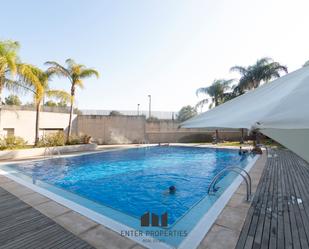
(279, 109)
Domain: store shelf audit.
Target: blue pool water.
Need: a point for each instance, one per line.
(135, 181)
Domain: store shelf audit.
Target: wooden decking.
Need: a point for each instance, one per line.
(22, 226)
(279, 215)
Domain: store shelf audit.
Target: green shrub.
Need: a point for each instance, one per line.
(85, 139)
(115, 113)
(12, 142)
(82, 139)
(59, 139)
(53, 139)
(73, 140)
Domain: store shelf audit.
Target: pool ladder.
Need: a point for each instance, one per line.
(51, 151)
(238, 170)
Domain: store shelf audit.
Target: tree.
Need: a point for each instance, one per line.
(186, 113)
(12, 100)
(62, 104)
(216, 93)
(37, 81)
(264, 70)
(29, 104)
(115, 113)
(50, 103)
(8, 64)
(76, 73)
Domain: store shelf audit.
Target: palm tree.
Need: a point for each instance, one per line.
(8, 63)
(37, 81)
(216, 93)
(252, 76)
(76, 73)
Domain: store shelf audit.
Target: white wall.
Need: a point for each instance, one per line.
(23, 122)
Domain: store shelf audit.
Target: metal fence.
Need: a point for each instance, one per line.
(32, 108)
(155, 114)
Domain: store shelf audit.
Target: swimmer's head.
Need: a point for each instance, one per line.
(172, 189)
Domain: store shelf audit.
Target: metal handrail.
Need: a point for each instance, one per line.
(247, 174)
(57, 150)
(51, 151)
(47, 149)
(234, 169)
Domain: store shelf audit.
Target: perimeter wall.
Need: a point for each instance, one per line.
(19, 122)
(135, 129)
(104, 129)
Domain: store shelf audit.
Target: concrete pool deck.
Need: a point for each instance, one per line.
(228, 224)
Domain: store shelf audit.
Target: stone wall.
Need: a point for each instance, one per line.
(112, 129)
(135, 129)
(168, 131)
(105, 129)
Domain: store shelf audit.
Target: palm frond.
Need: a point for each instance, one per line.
(29, 74)
(201, 103)
(74, 72)
(86, 73)
(60, 95)
(56, 69)
(11, 62)
(277, 66)
(79, 83)
(70, 62)
(8, 57)
(264, 61)
(263, 70)
(201, 90)
(239, 69)
(17, 86)
(33, 78)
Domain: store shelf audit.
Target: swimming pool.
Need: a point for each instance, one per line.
(127, 184)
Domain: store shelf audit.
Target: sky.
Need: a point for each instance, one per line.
(166, 48)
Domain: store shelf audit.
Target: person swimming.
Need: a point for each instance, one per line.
(242, 152)
(172, 189)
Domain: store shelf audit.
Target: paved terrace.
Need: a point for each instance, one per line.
(279, 214)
